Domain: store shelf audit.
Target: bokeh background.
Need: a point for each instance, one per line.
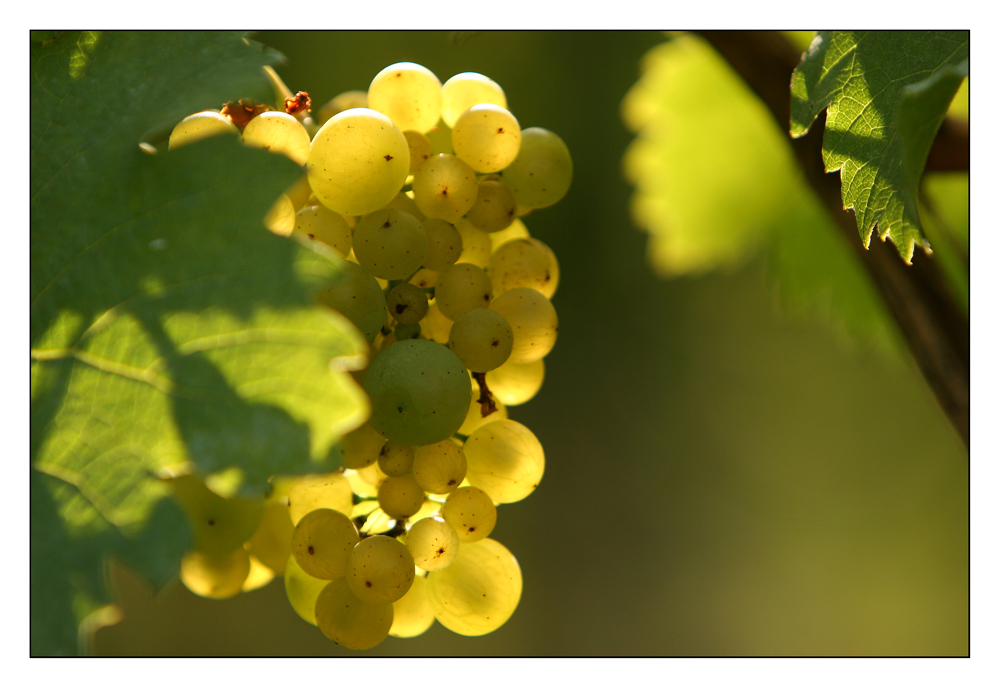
(723, 477)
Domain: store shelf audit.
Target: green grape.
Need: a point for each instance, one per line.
(464, 90)
(409, 94)
(475, 418)
(412, 613)
(400, 496)
(516, 383)
(542, 172)
(482, 339)
(323, 491)
(461, 288)
(524, 263)
(407, 332)
(419, 390)
(220, 525)
(299, 193)
(360, 447)
(199, 126)
(358, 297)
(301, 589)
(430, 508)
(391, 244)
(272, 542)
(440, 138)
(280, 219)
(435, 326)
(358, 161)
(444, 244)
(396, 459)
(279, 133)
(433, 543)
(350, 622)
(322, 542)
(319, 223)
(505, 460)
(439, 467)
(494, 208)
(380, 569)
(479, 591)
(373, 475)
(217, 575)
(533, 320)
(348, 100)
(486, 137)
(407, 303)
(424, 278)
(406, 204)
(517, 230)
(445, 187)
(476, 245)
(420, 149)
(471, 512)
(259, 575)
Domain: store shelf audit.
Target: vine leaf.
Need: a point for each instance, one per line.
(168, 326)
(886, 94)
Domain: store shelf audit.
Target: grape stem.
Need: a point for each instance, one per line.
(485, 400)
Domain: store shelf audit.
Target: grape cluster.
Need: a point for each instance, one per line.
(421, 188)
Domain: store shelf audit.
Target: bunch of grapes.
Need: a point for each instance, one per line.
(420, 188)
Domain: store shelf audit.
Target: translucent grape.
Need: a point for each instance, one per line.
(396, 459)
(475, 419)
(406, 204)
(407, 303)
(524, 263)
(372, 474)
(358, 161)
(479, 591)
(348, 621)
(259, 575)
(461, 288)
(319, 223)
(391, 244)
(440, 138)
(420, 149)
(494, 208)
(199, 126)
(412, 613)
(220, 525)
(322, 541)
(361, 447)
(482, 339)
(516, 383)
(424, 278)
(358, 297)
(517, 230)
(445, 187)
(280, 219)
(216, 575)
(464, 90)
(435, 326)
(279, 133)
(419, 391)
(486, 137)
(440, 467)
(380, 569)
(301, 589)
(271, 544)
(409, 94)
(542, 172)
(505, 460)
(400, 496)
(444, 244)
(348, 100)
(433, 543)
(471, 512)
(476, 245)
(533, 320)
(299, 193)
(322, 491)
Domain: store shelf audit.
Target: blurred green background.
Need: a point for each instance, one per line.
(722, 478)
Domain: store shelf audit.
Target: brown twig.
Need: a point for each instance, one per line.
(917, 296)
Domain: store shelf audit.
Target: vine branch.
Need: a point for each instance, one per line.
(929, 317)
